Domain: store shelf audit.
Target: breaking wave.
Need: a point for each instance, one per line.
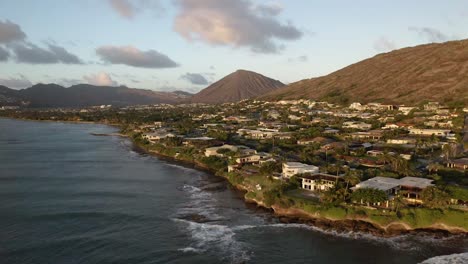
(448, 259)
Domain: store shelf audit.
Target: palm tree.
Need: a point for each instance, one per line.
(399, 202)
(350, 179)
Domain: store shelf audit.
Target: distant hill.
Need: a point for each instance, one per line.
(82, 95)
(410, 75)
(237, 86)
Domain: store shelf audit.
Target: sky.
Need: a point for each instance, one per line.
(169, 45)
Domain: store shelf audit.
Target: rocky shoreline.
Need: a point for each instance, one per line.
(297, 216)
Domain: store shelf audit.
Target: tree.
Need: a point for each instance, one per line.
(369, 196)
(334, 196)
(350, 179)
(268, 168)
(433, 197)
(399, 202)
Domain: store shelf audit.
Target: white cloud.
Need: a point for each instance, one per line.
(234, 23)
(16, 83)
(383, 45)
(132, 56)
(100, 79)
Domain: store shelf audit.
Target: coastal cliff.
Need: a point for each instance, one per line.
(329, 218)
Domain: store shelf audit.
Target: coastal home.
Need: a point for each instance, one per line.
(357, 125)
(213, 151)
(253, 159)
(390, 186)
(318, 181)
(412, 187)
(460, 164)
(429, 132)
(292, 168)
(158, 135)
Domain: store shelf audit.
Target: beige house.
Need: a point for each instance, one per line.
(293, 168)
(429, 132)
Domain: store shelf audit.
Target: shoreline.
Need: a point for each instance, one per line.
(289, 215)
(298, 216)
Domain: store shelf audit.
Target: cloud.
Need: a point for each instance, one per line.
(195, 78)
(123, 7)
(31, 53)
(430, 34)
(100, 79)
(132, 56)
(383, 45)
(233, 23)
(10, 32)
(67, 82)
(16, 83)
(4, 54)
(302, 58)
(271, 9)
(130, 8)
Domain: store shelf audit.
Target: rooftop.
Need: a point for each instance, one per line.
(380, 183)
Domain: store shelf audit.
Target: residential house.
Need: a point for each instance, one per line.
(401, 141)
(372, 135)
(158, 135)
(214, 151)
(357, 125)
(318, 181)
(412, 187)
(254, 158)
(461, 164)
(429, 132)
(293, 168)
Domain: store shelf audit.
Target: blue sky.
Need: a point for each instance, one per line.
(187, 44)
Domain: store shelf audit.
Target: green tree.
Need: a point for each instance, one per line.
(369, 196)
(433, 197)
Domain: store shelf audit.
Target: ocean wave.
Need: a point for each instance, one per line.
(220, 238)
(189, 249)
(448, 259)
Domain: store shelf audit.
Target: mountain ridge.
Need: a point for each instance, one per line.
(83, 95)
(437, 71)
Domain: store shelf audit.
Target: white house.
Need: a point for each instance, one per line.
(253, 159)
(318, 181)
(429, 132)
(156, 136)
(357, 125)
(292, 168)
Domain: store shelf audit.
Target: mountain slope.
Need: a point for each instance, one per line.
(82, 95)
(410, 75)
(237, 86)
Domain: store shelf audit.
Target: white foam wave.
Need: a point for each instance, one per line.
(220, 238)
(189, 249)
(448, 259)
